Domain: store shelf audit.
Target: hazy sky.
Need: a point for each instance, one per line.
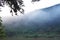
(31, 6)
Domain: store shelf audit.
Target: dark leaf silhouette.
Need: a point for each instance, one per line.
(35, 0)
(15, 5)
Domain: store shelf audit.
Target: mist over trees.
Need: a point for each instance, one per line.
(16, 5)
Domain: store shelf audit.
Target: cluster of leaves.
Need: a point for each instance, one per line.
(2, 31)
(15, 5)
(35, 0)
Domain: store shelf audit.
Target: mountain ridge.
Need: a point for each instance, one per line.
(47, 19)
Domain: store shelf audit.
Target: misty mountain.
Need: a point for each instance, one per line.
(41, 20)
(47, 19)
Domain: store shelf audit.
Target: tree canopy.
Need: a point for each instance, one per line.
(15, 5)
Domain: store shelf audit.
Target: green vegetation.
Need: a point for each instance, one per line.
(36, 36)
(2, 31)
(28, 33)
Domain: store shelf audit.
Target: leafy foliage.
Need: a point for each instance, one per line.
(15, 5)
(2, 31)
(35, 0)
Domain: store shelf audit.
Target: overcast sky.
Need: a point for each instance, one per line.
(31, 6)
